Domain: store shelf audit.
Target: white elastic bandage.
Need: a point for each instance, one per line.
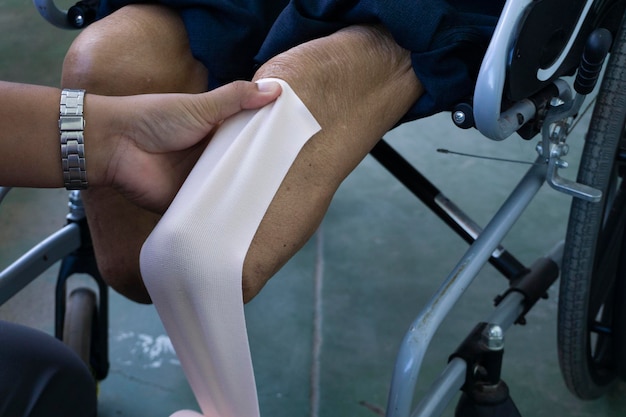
(192, 262)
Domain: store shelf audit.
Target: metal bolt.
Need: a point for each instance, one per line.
(539, 148)
(77, 209)
(493, 337)
(459, 117)
(561, 164)
(79, 21)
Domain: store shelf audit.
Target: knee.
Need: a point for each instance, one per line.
(173, 263)
(124, 278)
(98, 59)
(162, 260)
(137, 49)
(348, 72)
(84, 64)
(119, 268)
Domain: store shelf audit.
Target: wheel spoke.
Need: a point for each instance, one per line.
(600, 328)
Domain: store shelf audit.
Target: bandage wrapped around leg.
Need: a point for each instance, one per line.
(192, 262)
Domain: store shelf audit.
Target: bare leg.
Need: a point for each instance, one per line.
(357, 83)
(138, 49)
(194, 260)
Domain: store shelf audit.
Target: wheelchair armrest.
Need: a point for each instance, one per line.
(490, 119)
(76, 17)
(49, 11)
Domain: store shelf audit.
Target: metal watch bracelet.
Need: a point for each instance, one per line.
(71, 126)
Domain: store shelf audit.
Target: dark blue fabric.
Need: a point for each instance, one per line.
(224, 35)
(447, 38)
(42, 377)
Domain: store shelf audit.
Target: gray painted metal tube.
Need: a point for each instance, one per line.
(49, 11)
(30, 265)
(443, 390)
(421, 331)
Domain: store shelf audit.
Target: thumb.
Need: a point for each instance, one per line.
(229, 99)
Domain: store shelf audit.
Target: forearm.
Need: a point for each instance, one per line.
(29, 136)
(122, 135)
(129, 141)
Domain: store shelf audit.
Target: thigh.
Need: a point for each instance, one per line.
(40, 376)
(137, 49)
(357, 83)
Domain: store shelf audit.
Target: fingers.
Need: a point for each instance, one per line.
(186, 413)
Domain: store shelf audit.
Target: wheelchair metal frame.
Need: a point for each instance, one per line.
(527, 284)
(485, 248)
(72, 246)
(497, 124)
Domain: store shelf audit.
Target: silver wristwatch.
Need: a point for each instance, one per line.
(71, 126)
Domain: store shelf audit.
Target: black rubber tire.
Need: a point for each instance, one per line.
(591, 298)
(78, 326)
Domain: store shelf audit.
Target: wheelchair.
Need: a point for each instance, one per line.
(524, 90)
(521, 89)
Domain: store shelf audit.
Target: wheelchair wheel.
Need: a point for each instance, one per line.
(80, 315)
(592, 315)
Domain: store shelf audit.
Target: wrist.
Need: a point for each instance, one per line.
(71, 131)
(101, 139)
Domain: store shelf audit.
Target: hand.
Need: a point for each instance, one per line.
(159, 138)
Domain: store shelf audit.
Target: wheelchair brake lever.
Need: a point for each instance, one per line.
(555, 128)
(553, 147)
(572, 188)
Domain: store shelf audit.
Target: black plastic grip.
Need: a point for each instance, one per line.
(595, 52)
(82, 14)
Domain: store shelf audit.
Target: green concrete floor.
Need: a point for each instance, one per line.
(325, 331)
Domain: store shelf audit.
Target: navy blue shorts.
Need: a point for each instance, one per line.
(447, 38)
